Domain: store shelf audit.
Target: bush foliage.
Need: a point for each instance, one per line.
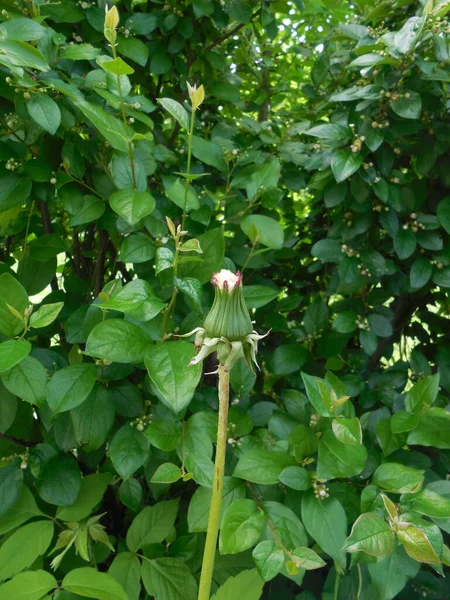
(318, 165)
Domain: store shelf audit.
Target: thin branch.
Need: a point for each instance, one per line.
(14, 440)
(225, 36)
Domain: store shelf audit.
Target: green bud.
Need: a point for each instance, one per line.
(229, 316)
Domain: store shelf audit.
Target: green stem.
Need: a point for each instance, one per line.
(337, 581)
(216, 498)
(125, 122)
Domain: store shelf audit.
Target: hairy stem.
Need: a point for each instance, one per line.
(216, 498)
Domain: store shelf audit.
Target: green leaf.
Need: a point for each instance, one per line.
(136, 299)
(193, 290)
(80, 52)
(262, 466)
(89, 582)
(346, 321)
(137, 248)
(133, 48)
(176, 191)
(432, 429)
(45, 112)
(208, 152)
(23, 55)
(331, 132)
(14, 191)
(24, 546)
(370, 534)
(118, 341)
(213, 245)
(327, 250)
(24, 508)
(32, 585)
(89, 210)
(163, 434)
(348, 431)
(288, 358)
(152, 525)
(405, 243)
(403, 421)
(295, 478)
(13, 352)
(409, 106)
(397, 478)
(46, 314)
(392, 573)
(406, 38)
(132, 206)
(263, 230)
(166, 473)
(117, 67)
(173, 379)
(307, 559)
(70, 386)
(269, 559)
(111, 128)
(417, 545)
(27, 380)
(422, 395)
(164, 260)
(247, 585)
(326, 522)
(126, 570)
(319, 393)
(192, 245)
(11, 485)
(93, 419)
(257, 296)
(443, 213)
(344, 163)
(339, 460)
(380, 325)
(129, 449)
(178, 112)
(22, 29)
(91, 492)
(420, 272)
(14, 294)
(130, 493)
(168, 579)
(241, 527)
(198, 513)
(60, 481)
(431, 504)
(288, 526)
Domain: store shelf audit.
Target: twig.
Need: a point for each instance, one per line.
(225, 36)
(14, 440)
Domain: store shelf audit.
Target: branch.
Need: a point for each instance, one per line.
(14, 440)
(225, 36)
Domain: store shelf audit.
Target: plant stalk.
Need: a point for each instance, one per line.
(216, 498)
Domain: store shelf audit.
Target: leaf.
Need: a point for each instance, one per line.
(297, 478)
(241, 527)
(166, 473)
(397, 478)
(130, 493)
(132, 206)
(22, 29)
(247, 585)
(319, 393)
(93, 419)
(417, 545)
(70, 386)
(91, 492)
(168, 579)
(269, 559)
(45, 112)
(262, 466)
(168, 367)
(326, 522)
(14, 191)
(126, 570)
(403, 421)
(288, 358)
(32, 585)
(14, 294)
(129, 449)
(405, 243)
(90, 209)
(152, 525)
(213, 245)
(432, 429)
(339, 460)
(198, 513)
(24, 546)
(208, 153)
(192, 245)
(27, 380)
(13, 352)
(288, 526)
(136, 299)
(306, 558)
(263, 230)
(177, 111)
(431, 504)
(111, 128)
(370, 534)
(117, 67)
(423, 393)
(257, 296)
(409, 106)
(90, 583)
(164, 260)
(193, 290)
(327, 250)
(137, 248)
(420, 272)
(392, 573)
(330, 131)
(443, 213)
(23, 55)
(406, 38)
(11, 485)
(60, 481)
(344, 163)
(164, 435)
(46, 314)
(118, 341)
(177, 191)
(24, 508)
(348, 431)
(80, 52)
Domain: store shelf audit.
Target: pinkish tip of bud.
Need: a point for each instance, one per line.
(226, 280)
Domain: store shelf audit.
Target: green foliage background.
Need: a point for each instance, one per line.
(321, 165)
